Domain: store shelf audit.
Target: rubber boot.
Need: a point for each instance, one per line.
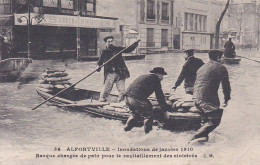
(130, 123)
(148, 125)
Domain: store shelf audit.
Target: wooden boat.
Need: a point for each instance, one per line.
(12, 68)
(235, 60)
(86, 101)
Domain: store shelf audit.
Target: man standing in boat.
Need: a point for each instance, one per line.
(116, 70)
(188, 73)
(229, 49)
(205, 96)
(136, 97)
(3, 48)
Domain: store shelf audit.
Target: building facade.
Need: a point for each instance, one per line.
(149, 20)
(57, 27)
(196, 22)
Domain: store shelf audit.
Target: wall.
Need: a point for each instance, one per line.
(125, 11)
(211, 8)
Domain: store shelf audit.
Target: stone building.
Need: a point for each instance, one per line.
(149, 20)
(170, 24)
(195, 22)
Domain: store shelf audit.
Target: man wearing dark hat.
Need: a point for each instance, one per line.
(205, 95)
(188, 73)
(229, 49)
(137, 94)
(116, 70)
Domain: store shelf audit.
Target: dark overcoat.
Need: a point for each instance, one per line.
(206, 86)
(117, 64)
(142, 87)
(188, 72)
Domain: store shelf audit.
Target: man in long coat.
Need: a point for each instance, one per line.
(116, 70)
(188, 73)
(3, 48)
(136, 98)
(205, 95)
(229, 49)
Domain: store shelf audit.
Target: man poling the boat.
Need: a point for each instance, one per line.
(136, 98)
(115, 71)
(97, 69)
(188, 73)
(205, 95)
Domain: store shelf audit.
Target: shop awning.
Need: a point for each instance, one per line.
(5, 20)
(67, 21)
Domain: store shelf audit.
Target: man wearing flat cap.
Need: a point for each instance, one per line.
(188, 73)
(137, 94)
(116, 70)
(205, 95)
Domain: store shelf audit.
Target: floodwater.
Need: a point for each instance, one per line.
(25, 133)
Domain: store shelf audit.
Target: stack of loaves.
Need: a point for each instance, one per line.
(54, 80)
(185, 104)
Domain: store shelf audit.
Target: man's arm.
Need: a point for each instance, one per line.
(232, 46)
(226, 85)
(160, 96)
(181, 76)
(128, 50)
(100, 61)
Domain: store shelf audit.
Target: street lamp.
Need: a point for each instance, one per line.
(38, 18)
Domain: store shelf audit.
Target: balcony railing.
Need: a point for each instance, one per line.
(150, 44)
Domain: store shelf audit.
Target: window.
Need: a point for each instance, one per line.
(200, 22)
(165, 15)
(150, 9)
(142, 12)
(50, 3)
(186, 21)
(5, 6)
(191, 22)
(204, 23)
(164, 37)
(67, 4)
(21, 1)
(195, 22)
(149, 39)
(90, 7)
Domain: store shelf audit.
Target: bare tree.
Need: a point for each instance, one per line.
(218, 25)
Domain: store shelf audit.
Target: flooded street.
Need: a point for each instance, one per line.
(24, 133)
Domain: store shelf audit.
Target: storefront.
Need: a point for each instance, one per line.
(61, 35)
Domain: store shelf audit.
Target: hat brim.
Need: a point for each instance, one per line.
(163, 73)
(108, 37)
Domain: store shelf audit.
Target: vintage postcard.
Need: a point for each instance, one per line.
(129, 82)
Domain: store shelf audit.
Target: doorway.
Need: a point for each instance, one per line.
(88, 42)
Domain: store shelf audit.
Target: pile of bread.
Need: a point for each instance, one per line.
(54, 79)
(185, 104)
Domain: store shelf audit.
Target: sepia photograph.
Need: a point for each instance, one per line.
(118, 82)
